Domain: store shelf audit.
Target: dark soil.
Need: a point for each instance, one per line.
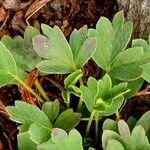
(67, 14)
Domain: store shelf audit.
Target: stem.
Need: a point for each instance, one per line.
(80, 103)
(89, 123)
(41, 90)
(28, 88)
(86, 119)
(96, 127)
(117, 116)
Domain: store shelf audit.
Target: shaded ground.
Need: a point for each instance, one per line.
(67, 14)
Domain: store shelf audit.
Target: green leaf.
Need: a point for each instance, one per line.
(27, 114)
(39, 132)
(22, 51)
(123, 129)
(122, 38)
(8, 67)
(51, 109)
(56, 51)
(73, 78)
(105, 40)
(146, 72)
(85, 53)
(144, 122)
(118, 21)
(109, 135)
(89, 93)
(67, 120)
(110, 125)
(127, 65)
(102, 97)
(24, 142)
(114, 145)
(77, 39)
(61, 141)
(131, 122)
(140, 140)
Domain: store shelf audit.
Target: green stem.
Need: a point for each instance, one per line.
(80, 103)
(28, 88)
(96, 127)
(89, 123)
(86, 119)
(41, 90)
(117, 116)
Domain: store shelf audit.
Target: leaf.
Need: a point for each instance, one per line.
(39, 133)
(114, 145)
(8, 67)
(105, 39)
(146, 72)
(24, 142)
(118, 21)
(51, 109)
(123, 129)
(70, 87)
(144, 122)
(77, 39)
(60, 140)
(85, 53)
(110, 125)
(126, 66)
(27, 114)
(73, 78)
(140, 141)
(55, 49)
(131, 122)
(89, 93)
(67, 120)
(122, 38)
(22, 51)
(109, 135)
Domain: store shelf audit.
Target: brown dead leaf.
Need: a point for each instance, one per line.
(2, 14)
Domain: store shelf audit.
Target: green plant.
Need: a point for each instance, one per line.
(36, 125)
(124, 68)
(120, 136)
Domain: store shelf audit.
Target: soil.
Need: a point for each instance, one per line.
(15, 15)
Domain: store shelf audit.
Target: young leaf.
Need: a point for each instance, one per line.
(67, 120)
(61, 141)
(27, 114)
(51, 109)
(102, 97)
(70, 87)
(8, 67)
(127, 64)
